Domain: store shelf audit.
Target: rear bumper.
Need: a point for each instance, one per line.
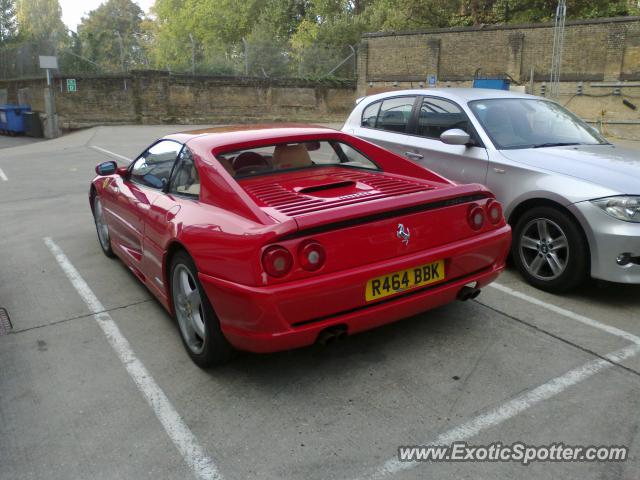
(291, 315)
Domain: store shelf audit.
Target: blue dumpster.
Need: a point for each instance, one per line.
(12, 118)
(494, 83)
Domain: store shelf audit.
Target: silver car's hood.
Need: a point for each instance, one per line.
(610, 166)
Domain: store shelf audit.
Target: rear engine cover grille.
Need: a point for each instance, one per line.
(294, 203)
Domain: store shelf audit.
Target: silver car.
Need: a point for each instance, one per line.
(572, 198)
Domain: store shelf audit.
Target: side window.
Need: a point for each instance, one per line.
(394, 114)
(153, 168)
(370, 114)
(438, 115)
(185, 179)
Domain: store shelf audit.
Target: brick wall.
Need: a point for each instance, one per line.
(158, 97)
(599, 53)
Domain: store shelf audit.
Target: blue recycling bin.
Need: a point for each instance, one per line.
(12, 118)
(494, 83)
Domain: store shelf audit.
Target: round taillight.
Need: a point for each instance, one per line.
(476, 217)
(311, 256)
(277, 261)
(494, 211)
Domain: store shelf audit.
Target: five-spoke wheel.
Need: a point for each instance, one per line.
(550, 250)
(199, 326)
(101, 227)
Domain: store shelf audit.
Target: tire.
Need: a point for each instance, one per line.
(550, 250)
(199, 326)
(102, 229)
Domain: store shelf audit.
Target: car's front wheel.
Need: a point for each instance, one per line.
(101, 227)
(550, 250)
(199, 325)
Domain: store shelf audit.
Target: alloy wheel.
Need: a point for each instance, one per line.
(544, 249)
(188, 307)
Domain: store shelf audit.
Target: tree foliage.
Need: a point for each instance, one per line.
(265, 37)
(110, 35)
(40, 19)
(7, 21)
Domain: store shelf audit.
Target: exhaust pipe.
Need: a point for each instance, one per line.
(468, 293)
(331, 334)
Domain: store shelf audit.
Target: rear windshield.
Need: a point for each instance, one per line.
(293, 156)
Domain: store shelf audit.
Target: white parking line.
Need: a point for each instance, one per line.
(513, 407)
(104, 150)
(187, 444)
(3, 176)
(568, 313)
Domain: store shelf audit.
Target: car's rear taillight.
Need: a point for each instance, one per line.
(476, 217)
(494, 211)
(277, 261)
(311, 256)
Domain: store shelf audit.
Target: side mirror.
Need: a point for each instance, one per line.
(455, 136)
(122, 171)
(107, 168)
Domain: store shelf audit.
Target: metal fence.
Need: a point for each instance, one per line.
(256, 59)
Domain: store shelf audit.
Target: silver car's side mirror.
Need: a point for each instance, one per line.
(455, 136)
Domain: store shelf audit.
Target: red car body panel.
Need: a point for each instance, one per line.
(226, 230)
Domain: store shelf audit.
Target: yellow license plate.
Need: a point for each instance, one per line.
(404, 280)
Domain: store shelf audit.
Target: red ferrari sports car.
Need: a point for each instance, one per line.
(268, 238)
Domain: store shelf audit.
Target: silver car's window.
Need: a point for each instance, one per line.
(153, 167)
(438, 115)
(395, 113)
(514, 123)
(370, 115)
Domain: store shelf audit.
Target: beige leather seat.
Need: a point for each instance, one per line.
(291, 156)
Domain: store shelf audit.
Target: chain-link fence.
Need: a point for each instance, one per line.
(119, 54)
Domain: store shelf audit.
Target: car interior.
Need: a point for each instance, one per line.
(291, 156)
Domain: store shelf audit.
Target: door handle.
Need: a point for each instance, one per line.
(414, 156)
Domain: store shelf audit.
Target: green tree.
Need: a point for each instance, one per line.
(111, 34)
(40, 20)
(7, 21)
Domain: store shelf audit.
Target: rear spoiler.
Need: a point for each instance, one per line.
(348, 215)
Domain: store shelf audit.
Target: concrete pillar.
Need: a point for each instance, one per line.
(433, 58)
(51, 117)
(362, 82)
(514, 62)
(615, 52)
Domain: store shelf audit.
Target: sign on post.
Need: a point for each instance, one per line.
(48, 62)
(71, 85)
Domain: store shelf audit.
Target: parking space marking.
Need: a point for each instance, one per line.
(513, 407)
(187, 444)
(104, 150)
(3, 176)
(568, 313)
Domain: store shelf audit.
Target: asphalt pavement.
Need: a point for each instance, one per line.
(76, 402)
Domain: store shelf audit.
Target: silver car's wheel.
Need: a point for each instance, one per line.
(544, 249)
(101, 227)
(550, 249)
(188, 307)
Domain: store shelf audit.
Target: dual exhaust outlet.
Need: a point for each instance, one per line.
(467, 293)
(337, 332)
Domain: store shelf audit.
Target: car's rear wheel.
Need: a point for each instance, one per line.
(550, 250)
(101, 227)
(199, 326)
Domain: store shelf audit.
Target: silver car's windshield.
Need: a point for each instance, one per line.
(514, 123)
